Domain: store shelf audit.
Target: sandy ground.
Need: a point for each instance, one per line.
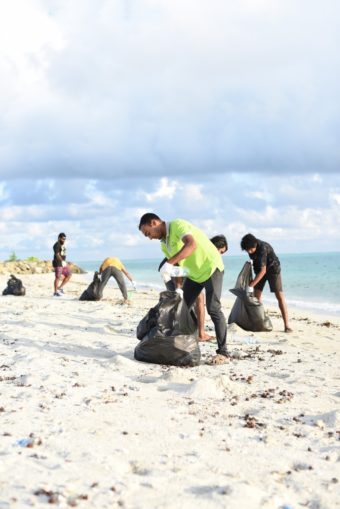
(84, 424)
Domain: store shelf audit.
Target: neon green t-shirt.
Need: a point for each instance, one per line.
(203, 262)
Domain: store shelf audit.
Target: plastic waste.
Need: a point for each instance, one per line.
(179, 271)
(94, 290)
(24, 442)
(248, 312)
(14, 287)
(168, 333)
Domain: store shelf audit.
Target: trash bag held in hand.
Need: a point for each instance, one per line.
(94, 291)
(168, 334)
(14, 287)
(248, 312)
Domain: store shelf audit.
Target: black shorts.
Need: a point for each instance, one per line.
(274, 280)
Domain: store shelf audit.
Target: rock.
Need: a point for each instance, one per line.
(34, 267)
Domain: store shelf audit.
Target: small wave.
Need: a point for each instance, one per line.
(319, 307)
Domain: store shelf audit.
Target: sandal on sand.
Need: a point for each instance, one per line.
(288, 329)
(218, 359)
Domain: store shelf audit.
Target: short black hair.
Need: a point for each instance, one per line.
(62, 235)
(248, 241)
(147, 218)
(220, 242)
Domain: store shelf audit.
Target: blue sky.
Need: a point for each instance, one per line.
(224, 113)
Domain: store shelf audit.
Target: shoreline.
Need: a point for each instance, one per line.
(84, 424)
(268, 302)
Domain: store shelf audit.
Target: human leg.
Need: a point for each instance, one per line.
(275, 283)
(67, 274)
(283, 308)
(117, 274)
(191, 291)
(104, 277)
(200, 313)
(213, 288)
(57, 279)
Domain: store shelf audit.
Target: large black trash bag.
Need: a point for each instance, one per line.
(248, 312)
(14, 287)
(94, 291)
(168, 333)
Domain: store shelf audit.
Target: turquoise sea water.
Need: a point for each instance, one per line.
(310, 280)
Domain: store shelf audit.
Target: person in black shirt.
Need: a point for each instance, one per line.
(267, 268)
(62, 270)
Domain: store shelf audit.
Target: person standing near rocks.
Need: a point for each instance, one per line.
(61, 269)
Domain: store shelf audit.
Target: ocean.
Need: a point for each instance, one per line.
(311, 281)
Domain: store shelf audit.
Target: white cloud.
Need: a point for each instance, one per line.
(114, 89)
(335, 197)
(165, 190)
(213, 112)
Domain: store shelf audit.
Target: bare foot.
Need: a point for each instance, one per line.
(205, 337)
(288, 329)
(219, 359)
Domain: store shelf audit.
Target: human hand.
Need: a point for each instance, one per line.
(134, 285)
(179, 291)
(165, 271)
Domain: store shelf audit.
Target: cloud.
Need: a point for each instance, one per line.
(115, 89)
(308, 220)
(224, 113)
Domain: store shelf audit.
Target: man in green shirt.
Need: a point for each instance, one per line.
(186, 245)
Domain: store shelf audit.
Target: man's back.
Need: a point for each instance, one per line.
(111, 262)
(203, 261)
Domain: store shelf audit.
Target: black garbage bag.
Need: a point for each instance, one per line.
(168, 333)
(248, 312)
(14, 287)
(94, 291)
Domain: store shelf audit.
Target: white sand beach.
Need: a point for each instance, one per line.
(84, 424)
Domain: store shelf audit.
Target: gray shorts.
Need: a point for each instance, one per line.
(274, 280)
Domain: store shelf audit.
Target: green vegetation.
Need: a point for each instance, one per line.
(12, 257)
(32, 259)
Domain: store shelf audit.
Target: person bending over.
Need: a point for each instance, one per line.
(177, 282)
(186, 245)
(267, 267)
(112, 266)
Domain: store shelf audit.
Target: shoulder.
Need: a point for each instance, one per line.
(181, 226)
(56, 245)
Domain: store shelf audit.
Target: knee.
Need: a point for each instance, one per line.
(215, 310)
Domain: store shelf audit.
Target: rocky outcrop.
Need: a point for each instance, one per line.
(36, 267)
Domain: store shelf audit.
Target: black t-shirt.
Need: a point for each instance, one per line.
(61, 249)
(265, 256)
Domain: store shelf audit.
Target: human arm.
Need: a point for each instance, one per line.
(187, 249)
(258, 276)
(125, 272)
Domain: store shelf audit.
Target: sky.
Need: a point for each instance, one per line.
(223, 113)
